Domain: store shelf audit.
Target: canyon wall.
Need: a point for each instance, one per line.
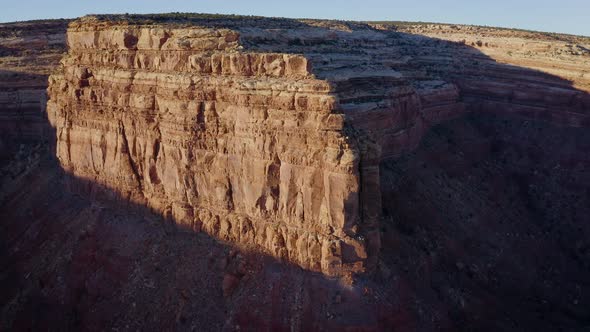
(270, 133)
(29, 52)
(245, 146)
(534, 75)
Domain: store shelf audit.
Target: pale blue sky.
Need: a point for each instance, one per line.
(567, 16)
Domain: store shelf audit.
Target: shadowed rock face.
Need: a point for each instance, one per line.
(441, 159)
(29, 51)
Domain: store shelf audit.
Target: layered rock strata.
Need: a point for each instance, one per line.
(247, 146)
(270, 132)
(534, 75)
(29, 51)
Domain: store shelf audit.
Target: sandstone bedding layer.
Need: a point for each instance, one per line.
(448, 161)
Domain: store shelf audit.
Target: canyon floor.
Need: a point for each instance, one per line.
(484, 221)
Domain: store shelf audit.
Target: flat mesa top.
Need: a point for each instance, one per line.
(339, 50)
(239, 22)
(217, 21)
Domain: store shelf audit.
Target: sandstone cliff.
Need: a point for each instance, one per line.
(29, 52)
(246, 145)
(270, 132)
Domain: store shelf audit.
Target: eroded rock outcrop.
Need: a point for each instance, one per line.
(29, 51)
(533, 75)
(270, 132)
(247, 146)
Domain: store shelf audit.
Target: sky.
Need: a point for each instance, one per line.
(565, 16)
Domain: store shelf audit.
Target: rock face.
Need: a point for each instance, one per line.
(247, 146)
(29, 51)
(533, 75)
(270, 132)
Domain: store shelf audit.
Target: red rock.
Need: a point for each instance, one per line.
(258, 144)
